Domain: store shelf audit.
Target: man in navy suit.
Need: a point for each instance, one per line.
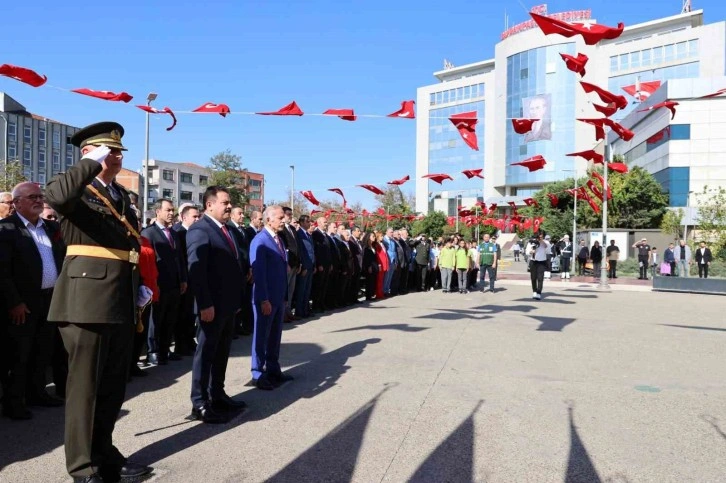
(305, 278)
(184, 332)
(172, 282)
(216, 276)
(324, 262)
(269, 268)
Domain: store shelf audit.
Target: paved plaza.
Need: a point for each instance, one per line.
(626, 386)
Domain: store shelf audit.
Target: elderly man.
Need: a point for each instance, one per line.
(6, 204)
(31, 256)
(682, 254)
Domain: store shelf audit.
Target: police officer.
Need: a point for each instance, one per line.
(94, 299)
(643, 257)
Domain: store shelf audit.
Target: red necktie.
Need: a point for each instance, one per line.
(279, 246)
(229, 240)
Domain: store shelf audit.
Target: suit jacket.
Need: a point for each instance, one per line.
(289, 239)
(243, 246)
(345, 259)
(390, 245)
(182, 234)
(406, 253)
(21, 267)
(356, 252)
(306, 249)
(169, 261)
(250, 233)
(93, 290)
(322, 249)
(706, 257)
(215, 271)
(269, 268)
(335, 258)
(370, 260)
(400, 260)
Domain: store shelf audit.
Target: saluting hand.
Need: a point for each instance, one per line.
(17, 314)
(207, 315)
(99, 154)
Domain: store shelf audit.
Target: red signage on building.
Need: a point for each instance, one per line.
(572, 16)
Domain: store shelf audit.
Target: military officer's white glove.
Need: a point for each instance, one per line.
(144, 296)
(99, 154)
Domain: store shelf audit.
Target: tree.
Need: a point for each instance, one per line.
(226, 170)
(11, 174)
(638, 200)
(712, 217)
(671, 223)
(432, 225)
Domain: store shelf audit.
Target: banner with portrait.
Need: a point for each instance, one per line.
(538, 107)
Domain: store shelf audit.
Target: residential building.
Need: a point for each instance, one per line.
(131, 180)
(527, 78)
(40, 144)
(255, 184)
(179, 182)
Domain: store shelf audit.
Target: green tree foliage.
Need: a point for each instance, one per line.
(394, 202)
(638, 200)
(432, 225)
(11, 175)
(671, 223)
(226, 170)
(712, 218)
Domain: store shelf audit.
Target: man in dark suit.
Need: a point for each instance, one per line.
(405, 261)
(184, 332)
(269, 265)
(289, 239)
(94, 300)
(216, 276)
(323, 261)
(254, 226)
(334, 274)
(31, 256)
(345, 267)
(356, 251)
(703, 259)
(304, 282)
(243, 320)
(172, 282)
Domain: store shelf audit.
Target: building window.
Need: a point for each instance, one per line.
(41, 157)
(523, 149)
(167, 175)
(614, 63)
(681, 50)
(255, 182)
(669, 53)
(432, 99)
(693, 48)
(186, 196)
(56, 161)
(645, 58)
(28, 133)
(28, 173)
(12, 152)
(69, 155)
(12, 132)
(657, 55)
(56, 139)
(186, 178)
(41, 179)
(203, 180)
(42, 135)
(255, 196)
(27, 156)
(624, 61)
(201, 198)
(167, 193)
(524, 73)
(680, 132)
(635, 59)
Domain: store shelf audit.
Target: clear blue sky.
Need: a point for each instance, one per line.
(258, 56)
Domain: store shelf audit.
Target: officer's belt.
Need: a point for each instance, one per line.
(103, 252)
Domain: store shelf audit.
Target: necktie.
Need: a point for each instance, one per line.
(113, 192)
(279, 246)
(229, 240)
(168, 236)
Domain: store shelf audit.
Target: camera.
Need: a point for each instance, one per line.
(534, 241)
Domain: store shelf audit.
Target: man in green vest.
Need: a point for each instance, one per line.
(488, 257)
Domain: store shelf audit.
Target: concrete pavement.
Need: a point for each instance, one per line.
(581, 386)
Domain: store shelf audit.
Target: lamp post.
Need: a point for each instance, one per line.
(292, 189)
(687, 215)
(458, 203)
(5, 145)
(604, 285)
(574, 208)
(151, 97)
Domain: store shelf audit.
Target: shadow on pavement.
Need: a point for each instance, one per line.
(401, 327)
(580, 468)
(713, 422)
(697, 327)
(549, 298)
(552, 324)
(311, 378)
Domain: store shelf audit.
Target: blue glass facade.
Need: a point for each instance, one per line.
(674, 132)
(538, 76)
(448, 153)
(675, 182)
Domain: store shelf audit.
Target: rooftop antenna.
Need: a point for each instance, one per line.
(686, 6)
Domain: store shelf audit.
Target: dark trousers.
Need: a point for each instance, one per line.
(59, 362)
(536, 274)
(331, 291)
(320, 284)
(473, 277)
(342, 289)
(184, 330)
(266, 341)
(612, 271)
(488, 269)
(421, 273)
(140, 337)
(98, 364)
(403, 283)
(29, 352)
(209, 367)
(354, 287)
(702, 270)
(371, 285)
(396, 280)
(673, 269)
(581, 266)
(643, 265)
(303, 287)
(164, 316)
(564, 264)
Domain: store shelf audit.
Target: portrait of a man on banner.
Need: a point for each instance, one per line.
(538, 107)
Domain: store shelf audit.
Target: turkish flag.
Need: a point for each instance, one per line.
(523, 126)
(513, 205)
(399, 182)
(310, 197)
(492, 207)
(590, 155)
(624, 133)
(438, 177)
(531, 202)
(619, 167)
(608, 110)
(406, 111)
(315, 212)
(670, 105)
(534, 163)
(606, 96)
(642, 90)
(372, 189)
(575, 64)
(713, 94)
(166, 110)
(591, 33)
(105, 95)
(291, 109)
(599, 177)
(527, 224)
(23, 75)
(473, 173)
(344, 114)
(465, 212)
(659, 135)
(595, 189)
(598, 123)
(465, 123)
(340, 192)
(554, 200)
(221, 109)
(537, 223)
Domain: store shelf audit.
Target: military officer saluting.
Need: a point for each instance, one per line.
(94, 301)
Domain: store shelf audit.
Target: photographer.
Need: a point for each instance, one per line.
(538, 248)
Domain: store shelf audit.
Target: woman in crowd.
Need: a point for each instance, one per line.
(596, 257)
(447, 262)
(382, 263)
(370, 264)
(462, 265)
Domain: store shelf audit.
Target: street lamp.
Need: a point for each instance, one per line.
(458, 203)
(687, 216)
(604, 285)
(574, 209)
(151, 97)
(292, 189)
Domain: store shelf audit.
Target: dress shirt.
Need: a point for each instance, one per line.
(45, 248)
(540, 253)
(703, 255)
(167, 233)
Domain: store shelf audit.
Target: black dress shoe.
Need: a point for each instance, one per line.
(18, 413)
(278, 380)
(94, 478)
(133, 470)
(136, 371)
(44, 400)
(263, 384)
(230, 403)
(208, 415)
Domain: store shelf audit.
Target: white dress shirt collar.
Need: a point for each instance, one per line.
(27, 222)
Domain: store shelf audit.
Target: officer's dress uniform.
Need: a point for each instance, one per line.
(94, 302)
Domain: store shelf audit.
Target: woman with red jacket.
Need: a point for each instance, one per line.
(148, 273)
(382, 263)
